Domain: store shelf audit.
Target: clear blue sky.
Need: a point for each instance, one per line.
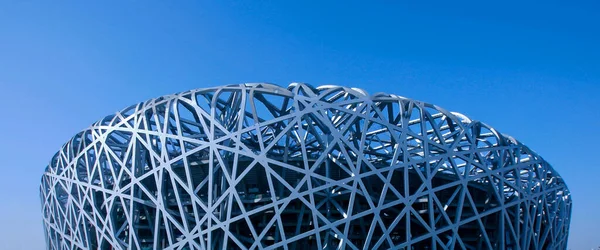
(531, 71)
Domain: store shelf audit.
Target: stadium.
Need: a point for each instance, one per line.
(259, 166)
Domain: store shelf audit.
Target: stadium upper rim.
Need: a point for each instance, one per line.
(294, 87)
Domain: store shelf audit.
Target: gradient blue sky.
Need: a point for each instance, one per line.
(529, 70)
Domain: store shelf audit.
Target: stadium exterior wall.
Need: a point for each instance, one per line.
(258, 166)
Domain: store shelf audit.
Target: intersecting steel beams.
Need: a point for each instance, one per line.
(258, 166)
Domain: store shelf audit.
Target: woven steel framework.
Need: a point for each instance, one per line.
(258, 166)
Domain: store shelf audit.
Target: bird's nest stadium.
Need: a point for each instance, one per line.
(258, 166)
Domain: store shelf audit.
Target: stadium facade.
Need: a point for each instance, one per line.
(258, 166)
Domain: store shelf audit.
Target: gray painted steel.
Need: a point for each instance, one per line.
(258, 166)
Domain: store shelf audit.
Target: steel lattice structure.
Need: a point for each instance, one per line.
(258, 166)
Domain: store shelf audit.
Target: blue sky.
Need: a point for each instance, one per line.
(529, 70)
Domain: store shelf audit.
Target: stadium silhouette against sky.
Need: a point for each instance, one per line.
(259, 166)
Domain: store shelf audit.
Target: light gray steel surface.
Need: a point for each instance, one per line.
(258, 166)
